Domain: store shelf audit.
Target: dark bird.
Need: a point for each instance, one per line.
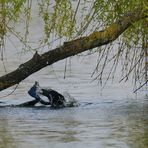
(55, 99)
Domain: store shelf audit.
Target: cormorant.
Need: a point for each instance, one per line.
(56, 100)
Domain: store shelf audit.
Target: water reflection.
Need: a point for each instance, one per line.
(110, 125)
(6, 138)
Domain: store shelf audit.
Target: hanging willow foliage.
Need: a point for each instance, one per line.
(70, 19)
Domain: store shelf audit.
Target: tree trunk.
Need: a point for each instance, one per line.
(71, 48)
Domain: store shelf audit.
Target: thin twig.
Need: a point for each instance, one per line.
(141, 86)
(10, 92)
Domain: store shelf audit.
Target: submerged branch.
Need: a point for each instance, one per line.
(71, 48)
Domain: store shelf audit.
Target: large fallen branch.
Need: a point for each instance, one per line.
(71, 48)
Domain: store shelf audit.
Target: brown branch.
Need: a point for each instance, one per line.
(71, 48)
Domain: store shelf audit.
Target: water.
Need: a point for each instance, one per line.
(108, 124)
(110, 118)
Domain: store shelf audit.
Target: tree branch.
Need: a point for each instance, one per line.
(141, 86)
(71, 48)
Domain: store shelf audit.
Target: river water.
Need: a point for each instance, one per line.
(104, 124)
(112, 117)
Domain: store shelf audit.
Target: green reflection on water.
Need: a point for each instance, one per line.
(124, 126)
(6, 138)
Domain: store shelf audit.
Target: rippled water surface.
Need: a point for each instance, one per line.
(108, 124)
(110, 118)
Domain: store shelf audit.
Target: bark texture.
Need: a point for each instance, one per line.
(71, 48)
